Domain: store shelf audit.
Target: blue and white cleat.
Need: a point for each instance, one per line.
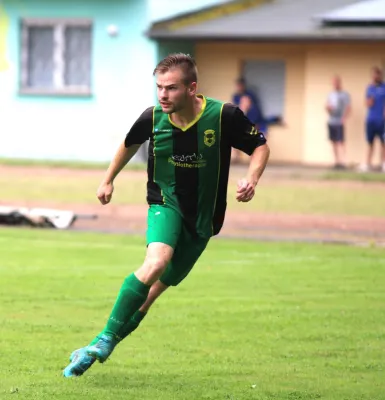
(103, 348)
(80, 361)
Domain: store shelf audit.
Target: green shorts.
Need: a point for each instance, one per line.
(165, 225)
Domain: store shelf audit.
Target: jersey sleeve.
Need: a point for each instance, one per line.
(241, 132)
(141, 130)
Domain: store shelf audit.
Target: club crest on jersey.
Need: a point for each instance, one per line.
(209, 137)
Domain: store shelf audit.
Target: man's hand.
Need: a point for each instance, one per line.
(104, 192)
(245, 190)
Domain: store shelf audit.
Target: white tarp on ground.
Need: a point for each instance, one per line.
(39, 217)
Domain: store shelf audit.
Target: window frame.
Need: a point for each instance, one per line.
(58, 25)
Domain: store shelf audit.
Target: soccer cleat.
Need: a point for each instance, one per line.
(103, 348)
(80, 361)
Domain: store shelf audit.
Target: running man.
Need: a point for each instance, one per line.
(191, 137)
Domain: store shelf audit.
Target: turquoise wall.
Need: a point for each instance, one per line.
(70, 127)
(174, 46)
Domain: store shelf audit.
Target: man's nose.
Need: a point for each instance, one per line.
(163, 93)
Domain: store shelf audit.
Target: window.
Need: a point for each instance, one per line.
(56, 56)
(266, 78)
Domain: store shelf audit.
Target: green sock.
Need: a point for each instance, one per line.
(128, 328)
(132, 324)
(131, 297)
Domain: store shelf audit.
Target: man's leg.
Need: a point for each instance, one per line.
(332, 139)
(370, 134)
(187, 251)
(156, 290)
(383, 157)
(164, 227)
(335, 153)
(341, 154)
(382, 139)
(132, 296)
(336, 136)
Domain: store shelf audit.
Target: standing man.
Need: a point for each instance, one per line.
(191, 137)
(375, 121)
(338, 107)
(247, 102)
(250, 104)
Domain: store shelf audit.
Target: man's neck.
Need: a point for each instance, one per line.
(189, 113)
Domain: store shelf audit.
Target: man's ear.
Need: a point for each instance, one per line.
(192, 88)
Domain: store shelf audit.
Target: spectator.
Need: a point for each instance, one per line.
(338, 107)
(249, 103)
(375, 120)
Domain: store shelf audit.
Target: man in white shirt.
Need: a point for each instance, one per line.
(338, 108)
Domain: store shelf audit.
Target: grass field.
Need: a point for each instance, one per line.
(284, 196)
(253, 321)
(348, 175)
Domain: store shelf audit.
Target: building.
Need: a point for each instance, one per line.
(74, 75)
(289, 50)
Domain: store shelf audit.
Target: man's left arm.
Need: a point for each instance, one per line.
(258, 162)
(245, 137)
(347, 109)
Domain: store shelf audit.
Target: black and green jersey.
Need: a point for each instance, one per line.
(188, 168)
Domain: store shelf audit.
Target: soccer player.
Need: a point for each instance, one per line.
(191, 137)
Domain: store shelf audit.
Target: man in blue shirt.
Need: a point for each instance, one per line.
(375, 120)
(249, 103)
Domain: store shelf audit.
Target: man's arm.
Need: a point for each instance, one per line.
(245, 104)
(369, 98)
(138, 134)
(328, 106)
(348, 108)
(121, 158)
(243, 136)
(258, 162)
(347, 112)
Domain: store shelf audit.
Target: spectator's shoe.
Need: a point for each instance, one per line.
(103, 348)
(363, 168)
(80, 361)
(340, 167)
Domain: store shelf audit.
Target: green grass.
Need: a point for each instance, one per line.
(354, 176)
(347, 175)
(252, 321)
(83, 165)
(293, 196)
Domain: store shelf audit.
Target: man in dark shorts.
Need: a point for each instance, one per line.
(191, 137)
(375, 120)
(338, 107)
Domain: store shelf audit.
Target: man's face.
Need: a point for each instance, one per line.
(337, 83)
(173, 94)
(377, 76)
(239, 88)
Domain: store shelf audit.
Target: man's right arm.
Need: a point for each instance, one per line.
(138, 134)
(369, 97)
(245, 104)
(121, 158)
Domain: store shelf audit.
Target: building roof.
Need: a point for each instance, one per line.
(276, 20)
(363, 11)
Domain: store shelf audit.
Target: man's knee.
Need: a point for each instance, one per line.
(156, 290)
(152, 269)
